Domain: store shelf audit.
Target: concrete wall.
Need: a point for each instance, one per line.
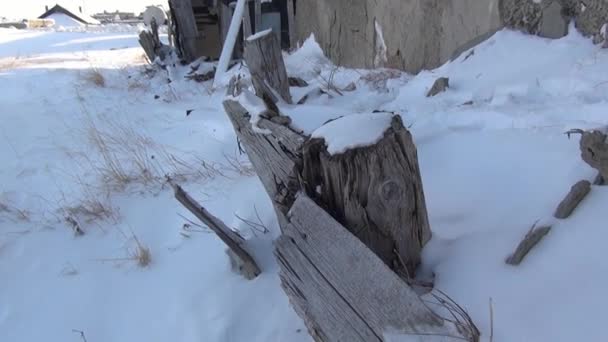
(423, 34)
(419, 34)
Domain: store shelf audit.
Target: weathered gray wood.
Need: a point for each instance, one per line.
(186, 32)
(376, 192)
(225, 16)
(273, 155)
(531, 239)
(341, 289)
(257, 9)
(146, 40)
(150, 42)
(346, 292)
(246, 23)
(441, 84)
(594, 150)
(577, 193)
(265, 61)
(291, 22)
(240, 258)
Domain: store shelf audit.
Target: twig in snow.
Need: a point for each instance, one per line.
(82, 336)
(531, 239)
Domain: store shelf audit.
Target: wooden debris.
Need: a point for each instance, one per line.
(594, 150)
(291, 24)
(531, 239)
(571, 201)
(201, 77)
(337, 284)
(342, 290)
(599, 180)
(186, 33)
(240, 258)
(376, 193)
(297, 82)
(440, 85)
(265, 61)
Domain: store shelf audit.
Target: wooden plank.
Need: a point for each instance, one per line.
(187, 32)
(291, 22)
(257, 9)
(577, 193)
(265, 61)
(246, 22)
(246, 264)
(225, 14)
(348, 293)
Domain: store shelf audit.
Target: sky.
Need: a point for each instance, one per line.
(33, 8)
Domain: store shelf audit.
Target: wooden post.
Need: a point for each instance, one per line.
(384, 205)
(246, 22)
(342, 288)
(291, 22)
(187, 32)
(258, 15)
(265, 61)
(225, 17)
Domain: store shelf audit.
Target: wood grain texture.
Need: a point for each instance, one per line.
(577, 193)
(343, 290)
(265, 61)
(376, 192)
(339, 287)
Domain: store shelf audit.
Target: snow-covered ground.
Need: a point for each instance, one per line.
(89, 132)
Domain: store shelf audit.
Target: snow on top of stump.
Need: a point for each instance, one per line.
(352, 131)
(259, 34)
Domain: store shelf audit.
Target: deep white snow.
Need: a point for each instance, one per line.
(492, 153)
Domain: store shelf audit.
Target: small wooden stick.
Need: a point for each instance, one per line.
(240, 258)
(531, 239)
(571, 201)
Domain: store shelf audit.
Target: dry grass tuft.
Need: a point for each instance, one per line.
(94, 76)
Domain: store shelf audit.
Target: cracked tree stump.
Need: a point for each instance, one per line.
(265, 61)
(341, 284)
(376, 193)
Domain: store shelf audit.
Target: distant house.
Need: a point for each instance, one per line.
(68, 17)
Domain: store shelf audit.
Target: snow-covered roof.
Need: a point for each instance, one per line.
(74, 13)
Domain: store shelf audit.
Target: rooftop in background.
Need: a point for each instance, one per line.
(77, 15)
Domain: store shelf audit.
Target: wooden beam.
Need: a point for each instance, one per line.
(246, 22)
(258, 15)
(291, 22)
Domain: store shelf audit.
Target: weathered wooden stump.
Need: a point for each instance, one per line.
(341, 283)
(374, 191)
(265, 61)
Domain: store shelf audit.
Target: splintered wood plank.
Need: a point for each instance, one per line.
(345, 290)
